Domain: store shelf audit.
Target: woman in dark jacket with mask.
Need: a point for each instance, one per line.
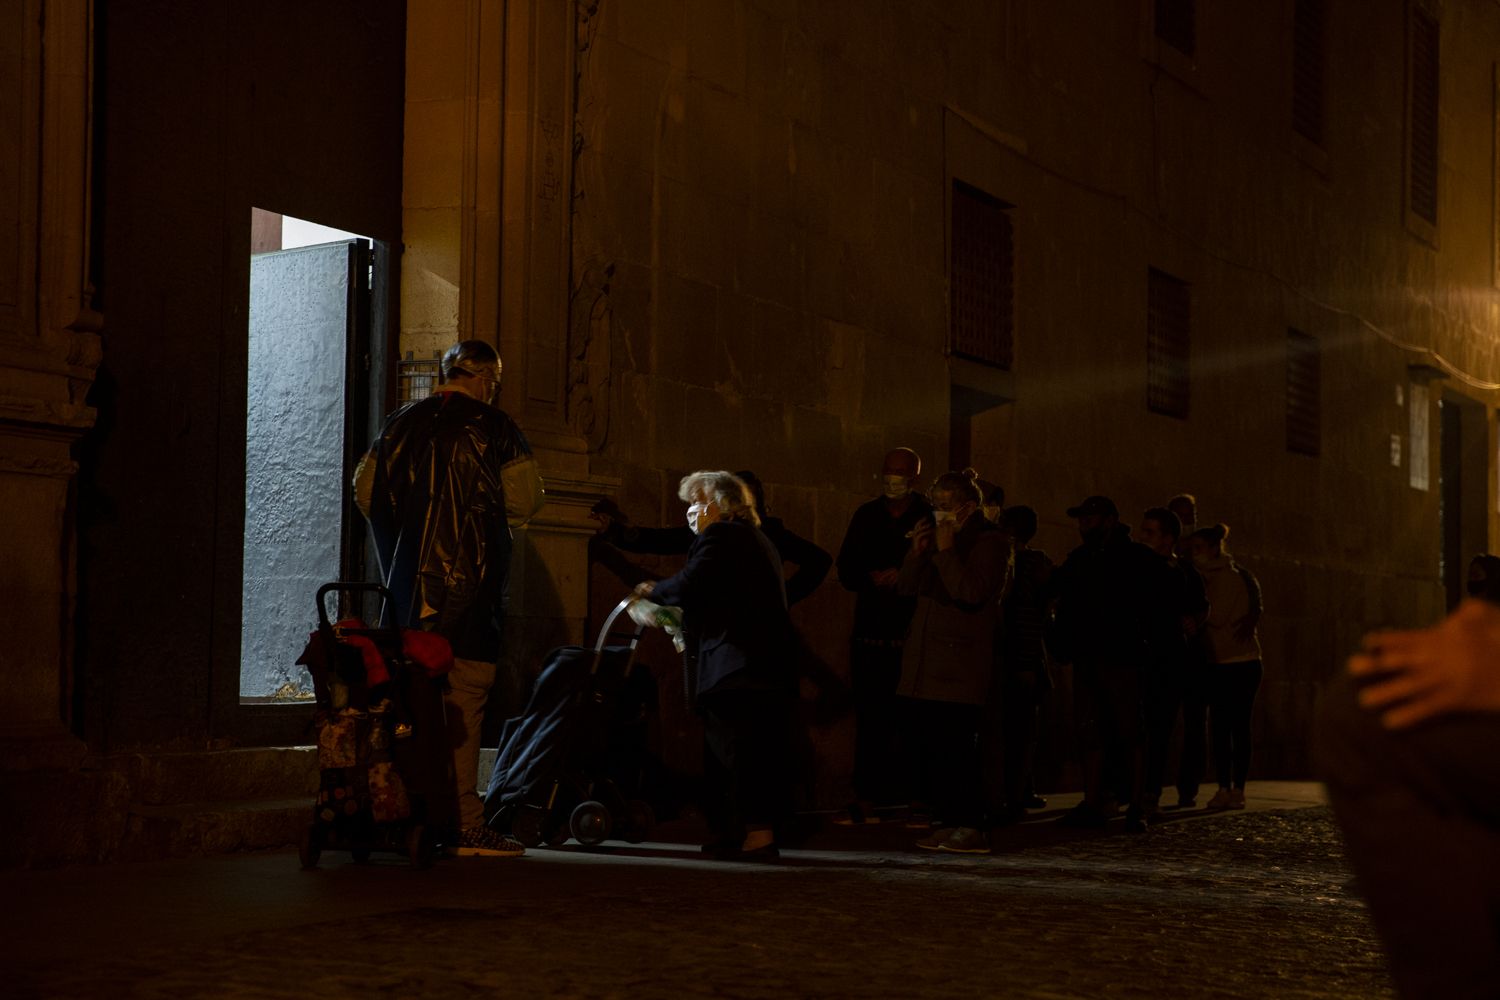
(739, 636)
(958, 569)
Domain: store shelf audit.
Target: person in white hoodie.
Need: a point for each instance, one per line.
(1234, 660)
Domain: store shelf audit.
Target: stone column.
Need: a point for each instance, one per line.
(49, 349)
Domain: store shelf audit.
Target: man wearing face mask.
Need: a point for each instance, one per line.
(1110, 592)
(869, 564)
(443, 484)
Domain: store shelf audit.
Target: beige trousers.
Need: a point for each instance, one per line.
(469, 686)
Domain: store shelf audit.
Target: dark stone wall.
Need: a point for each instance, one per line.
(206, 109)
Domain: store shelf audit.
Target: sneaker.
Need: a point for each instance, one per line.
(1221, 800)
(857, 814)
(1236, 798)
(966, 840)
(481, 841)
(935, 840)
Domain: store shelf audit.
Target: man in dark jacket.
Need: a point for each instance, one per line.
(1110, 592)
(869, 564)
(1177, 678)
(442, 486)
(738, 633)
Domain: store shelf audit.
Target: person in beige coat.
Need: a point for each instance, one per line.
(957, 569)
(1234, 666)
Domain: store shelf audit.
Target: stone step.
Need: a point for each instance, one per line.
(198, 828)
(243, 775)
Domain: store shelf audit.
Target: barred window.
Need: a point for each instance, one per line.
(1308, 79)
(1422, 127)
(1304, 402)
(982, 290)
(1176, 24)
(1167, 326)
(418, 376)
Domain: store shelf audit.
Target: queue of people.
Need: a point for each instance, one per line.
(958, 621)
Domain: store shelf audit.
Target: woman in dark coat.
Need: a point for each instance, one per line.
(740, 640)
(958, 568)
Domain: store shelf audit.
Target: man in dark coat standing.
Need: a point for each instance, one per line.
(1110, 596)
(443, 484)
(869, 564)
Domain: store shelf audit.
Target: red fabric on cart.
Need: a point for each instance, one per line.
(375, 668)
(428, 650)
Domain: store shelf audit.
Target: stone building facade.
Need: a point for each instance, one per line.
(1136, 248)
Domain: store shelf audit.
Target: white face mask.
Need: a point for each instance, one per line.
(896, 487)
(701, 515)
(940, 516)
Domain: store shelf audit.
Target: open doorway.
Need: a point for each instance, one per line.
(306, 422)
(1463, 489)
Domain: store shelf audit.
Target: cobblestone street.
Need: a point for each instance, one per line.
(1255, 904)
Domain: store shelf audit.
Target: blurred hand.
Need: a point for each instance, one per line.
(885, 577)
(645, 588)
(1424, 673)
(921, 536)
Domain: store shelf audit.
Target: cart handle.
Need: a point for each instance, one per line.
(609, 623)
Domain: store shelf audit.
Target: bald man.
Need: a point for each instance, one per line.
(869, 562)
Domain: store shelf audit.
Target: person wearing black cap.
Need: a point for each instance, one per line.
(1110, 591)
(443, 484)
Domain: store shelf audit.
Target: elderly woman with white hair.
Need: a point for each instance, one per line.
(733, 598)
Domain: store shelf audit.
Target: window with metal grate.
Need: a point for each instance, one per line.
(1167, 328)
(1304, 400)
(1176, 23)
(1422, 128)
(418, 376)
(983, 275)
(1309, 49)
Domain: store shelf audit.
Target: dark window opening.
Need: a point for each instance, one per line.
(1423, 126)
(1176, 24)
(1167, 326)
(983, 277)
(1308, 53)
(1303, 394)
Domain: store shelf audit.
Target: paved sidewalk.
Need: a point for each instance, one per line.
(1253, 904)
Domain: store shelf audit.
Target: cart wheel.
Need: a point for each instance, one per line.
(311, 847)
(361, 854)
(417, 850)
(590, 823)
(642, 821)
(527, 826)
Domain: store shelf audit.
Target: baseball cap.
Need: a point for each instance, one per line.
(1095, 505)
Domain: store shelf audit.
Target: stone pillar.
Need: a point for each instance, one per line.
(49, 349)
